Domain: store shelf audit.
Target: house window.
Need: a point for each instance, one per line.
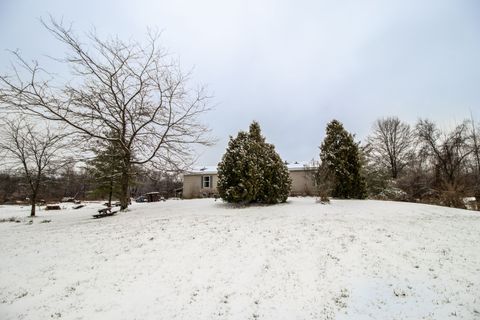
(206, 182)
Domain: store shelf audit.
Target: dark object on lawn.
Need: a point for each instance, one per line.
(153, 196)
(115, 204)
(11, 219)
(141, 199)
(150, 197)
(105, 212)
(78, 206)
(53, 207)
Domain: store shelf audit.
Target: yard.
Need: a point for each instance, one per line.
(201, 259)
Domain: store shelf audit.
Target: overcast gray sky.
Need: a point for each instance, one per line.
(291, 65)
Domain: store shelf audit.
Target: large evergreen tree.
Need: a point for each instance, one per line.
(341, 160)
(251, 171)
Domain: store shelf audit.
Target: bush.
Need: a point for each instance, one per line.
(392, 192)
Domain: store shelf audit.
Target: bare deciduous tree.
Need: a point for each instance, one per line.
(31, 151)
(131, 90)
(391, 144)
(476, 160)
(449, 152)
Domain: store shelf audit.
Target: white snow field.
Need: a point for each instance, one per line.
(201, 259)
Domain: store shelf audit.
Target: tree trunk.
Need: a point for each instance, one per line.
(33, 202)
(394, 173)
(124, 185)
(477, 199)
(110, 193)
(393, 168)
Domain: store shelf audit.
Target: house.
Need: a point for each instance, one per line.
(201, 182)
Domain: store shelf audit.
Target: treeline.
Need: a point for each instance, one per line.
(81, 184)
(423, 162)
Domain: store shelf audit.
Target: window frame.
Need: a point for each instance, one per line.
(206, 182)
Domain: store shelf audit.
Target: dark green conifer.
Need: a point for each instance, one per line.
(251, 171)
(340, 161)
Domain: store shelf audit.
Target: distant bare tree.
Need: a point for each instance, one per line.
(449, 152)
(32, 151)
(391, 144)
(125, 88)
(475, 138)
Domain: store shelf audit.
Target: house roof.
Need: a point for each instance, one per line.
(202, 170)
(300, 165)
(294, 166)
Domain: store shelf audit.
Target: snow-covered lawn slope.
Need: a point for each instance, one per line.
(200, 259)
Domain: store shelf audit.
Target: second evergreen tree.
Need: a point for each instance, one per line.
(340, 163)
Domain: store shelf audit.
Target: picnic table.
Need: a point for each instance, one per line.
(53, 207)
(105, 212)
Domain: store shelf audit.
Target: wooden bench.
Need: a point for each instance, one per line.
(105, 212)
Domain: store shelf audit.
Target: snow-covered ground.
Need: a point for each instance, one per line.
(200, 259)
